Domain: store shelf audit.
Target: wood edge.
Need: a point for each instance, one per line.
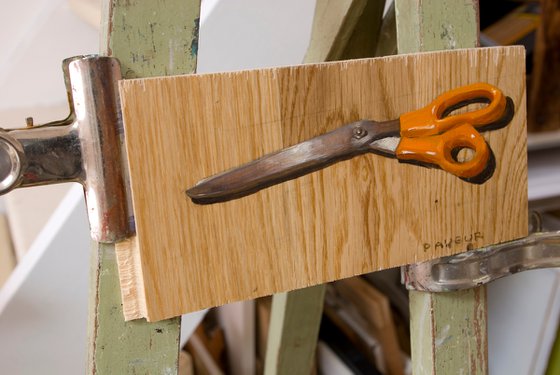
(129, 262)
(131, 279)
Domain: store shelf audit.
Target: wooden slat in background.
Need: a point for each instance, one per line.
(357, 216)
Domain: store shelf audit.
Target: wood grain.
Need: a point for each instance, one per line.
(357, 216)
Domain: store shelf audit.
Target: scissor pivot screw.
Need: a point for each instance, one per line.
(359, 132)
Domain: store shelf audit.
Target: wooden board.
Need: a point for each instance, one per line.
(357, 216)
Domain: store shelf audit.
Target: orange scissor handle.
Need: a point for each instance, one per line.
(441, 150)
(435, 119)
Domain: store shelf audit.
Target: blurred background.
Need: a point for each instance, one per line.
(44, 235)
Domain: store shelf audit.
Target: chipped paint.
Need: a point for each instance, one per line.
(448, 330)
(139, 33)
(448, 36)
(443, 336)
(194, 39)
(167, 47)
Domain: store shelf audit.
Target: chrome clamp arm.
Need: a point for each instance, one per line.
(477, 267)
(85, 147)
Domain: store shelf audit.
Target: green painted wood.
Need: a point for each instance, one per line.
(364, 38)
(448, 330)
(149, 38)
(436, 25)
(294, 327)
(387, 41)
(345, 29)
(119, 347)
(333, 25)
(553, 367)
(152, 38)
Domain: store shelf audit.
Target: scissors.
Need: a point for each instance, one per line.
(432, 136)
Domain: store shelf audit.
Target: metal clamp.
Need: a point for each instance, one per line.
(478, 267)
(85, 147)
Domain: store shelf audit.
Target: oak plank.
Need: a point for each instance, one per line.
(361, 215)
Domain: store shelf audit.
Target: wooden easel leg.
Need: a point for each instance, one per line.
(149, 38)
(554, 357)
(344, 29)
(294, 327)
(448, 331)
(119, 347)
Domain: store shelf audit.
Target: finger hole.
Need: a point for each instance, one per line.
(463, 154)
(465, 106)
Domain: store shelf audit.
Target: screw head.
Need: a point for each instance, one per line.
(359, 132)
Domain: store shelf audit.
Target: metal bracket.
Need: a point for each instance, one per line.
(481, 266)
(85, 147)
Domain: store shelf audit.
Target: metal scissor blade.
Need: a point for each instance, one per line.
(316, 153)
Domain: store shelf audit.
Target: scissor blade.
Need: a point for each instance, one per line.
(316, 153)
